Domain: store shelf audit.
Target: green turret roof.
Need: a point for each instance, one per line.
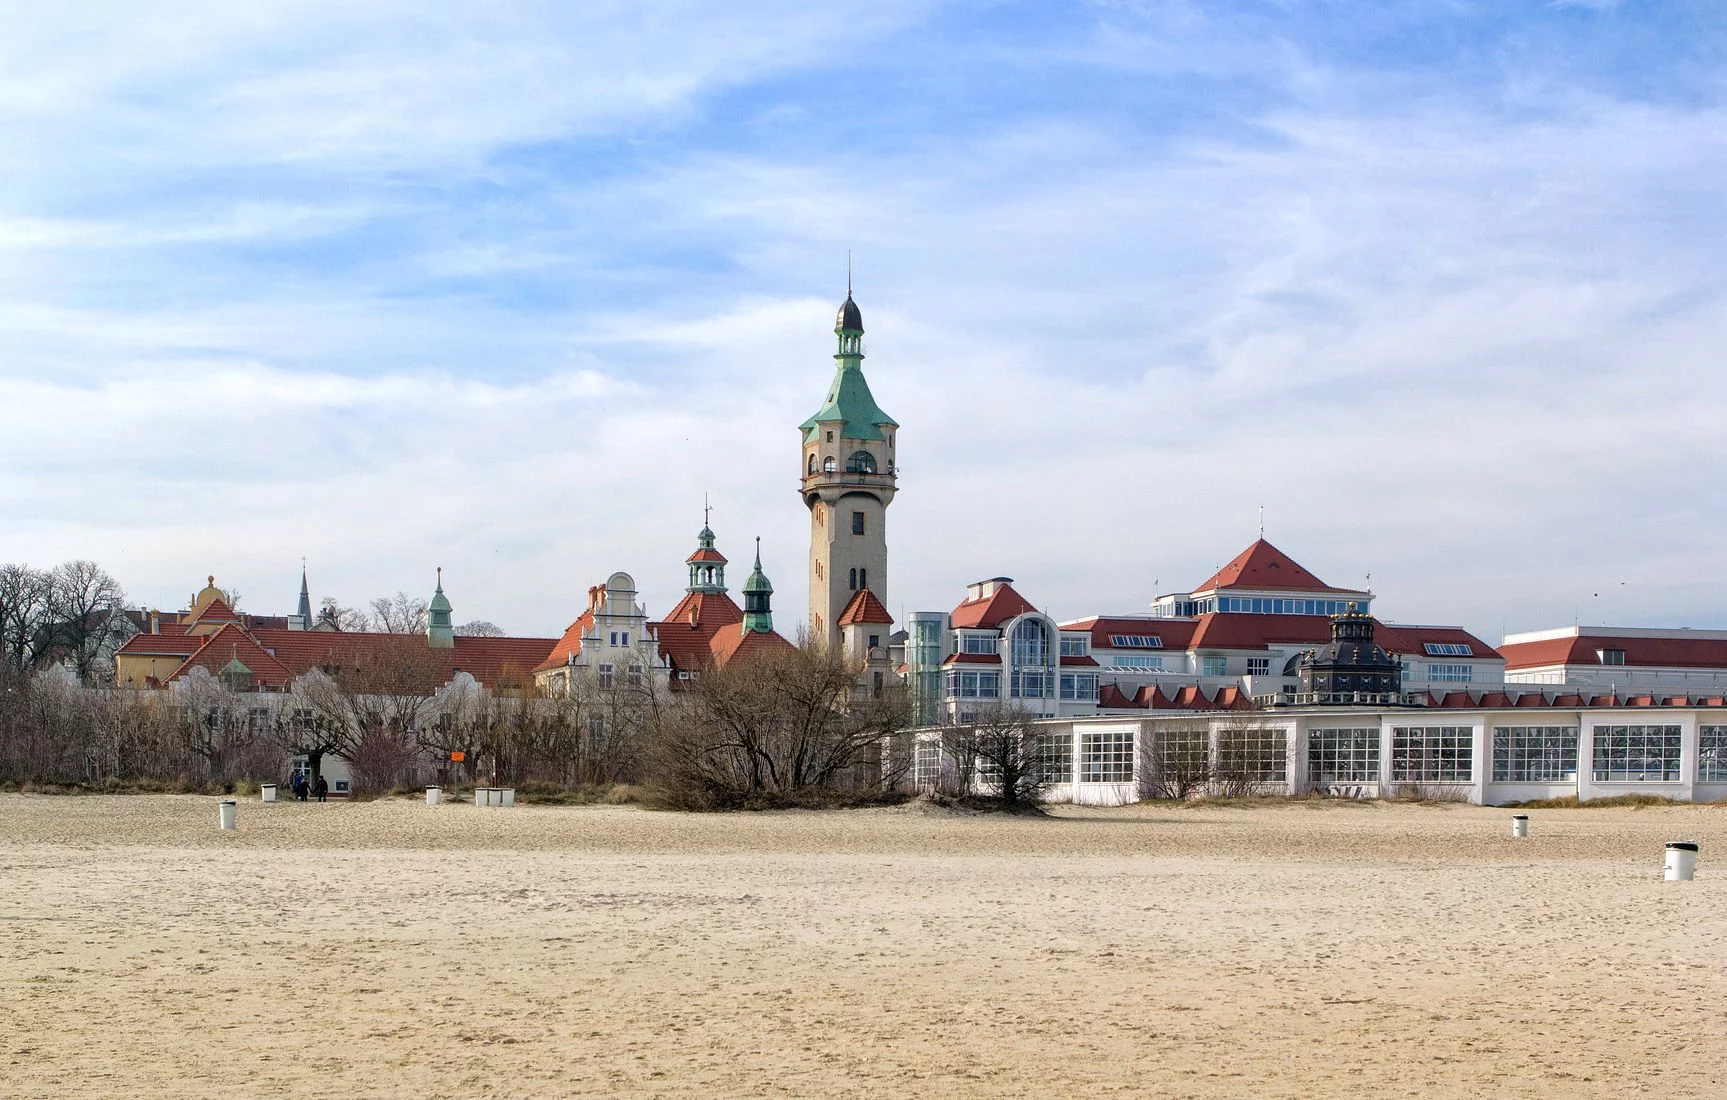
(849, 399)
(440, 602)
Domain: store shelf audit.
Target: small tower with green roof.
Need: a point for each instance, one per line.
(440, 634)
(758, 598)
(850, 476)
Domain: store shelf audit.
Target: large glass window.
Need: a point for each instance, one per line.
(1432, 754)
(1135, 660)
(1055, 753)
(861, 462)
(1031, 643)
(1451, 674)
(1075, 645)
(1138, 641)
(1033, 683)
(1214, 666)
(967, 684)
(1712, 754)
(1080, 686)
(1106, 757)
(926, 764)
(977, 643)
(1259, 666)
(1637, 753)
(1258, 754)
(1534, 754)
(1345, 755)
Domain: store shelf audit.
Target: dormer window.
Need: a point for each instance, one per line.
(1611, 656)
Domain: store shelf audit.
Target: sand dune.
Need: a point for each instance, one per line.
(389, 949)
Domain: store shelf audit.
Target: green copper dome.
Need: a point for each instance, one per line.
(758, 593)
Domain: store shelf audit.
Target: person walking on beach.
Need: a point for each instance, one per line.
(300, 786)
(323, 788)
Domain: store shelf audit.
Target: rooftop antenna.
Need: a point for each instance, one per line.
(707, 511)
(1262, 521)
(848, 273)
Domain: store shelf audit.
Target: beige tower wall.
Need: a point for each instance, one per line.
(835, 551)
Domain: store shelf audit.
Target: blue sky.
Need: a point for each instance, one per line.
(507, 287)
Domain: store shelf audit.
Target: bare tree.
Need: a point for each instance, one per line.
(25, 610)
(82, 598)
(479, 628)
(399, 614)
(1007, 752)
(1181, 761)
(360, 694)
(781, 727)
(333, 616)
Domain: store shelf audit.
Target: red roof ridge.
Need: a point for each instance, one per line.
(1263, 565)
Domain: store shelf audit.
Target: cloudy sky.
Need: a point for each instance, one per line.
(507, 287)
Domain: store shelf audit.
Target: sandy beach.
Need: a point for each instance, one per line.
(1306, 949)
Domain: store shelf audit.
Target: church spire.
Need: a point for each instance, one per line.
(305, 608)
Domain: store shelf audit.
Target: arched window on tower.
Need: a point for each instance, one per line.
(863, 578)
(854, 580)
(812, 462)
(829, 465)
(862, 462)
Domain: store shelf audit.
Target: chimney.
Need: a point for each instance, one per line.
(155, 622)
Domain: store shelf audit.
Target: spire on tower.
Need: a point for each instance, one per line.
(758, 598)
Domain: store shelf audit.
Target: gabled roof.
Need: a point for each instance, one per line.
(1264, 566)
(216, 611)
(991, 611)
(487, 660)
(570, 645)
(864, 608)
(231, 643)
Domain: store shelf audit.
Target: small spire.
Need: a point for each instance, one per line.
(440, 578)
(848, 273)
(758, 553)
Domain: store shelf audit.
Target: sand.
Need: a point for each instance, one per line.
(392, 950)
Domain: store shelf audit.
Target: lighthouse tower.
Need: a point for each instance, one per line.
(849, 479)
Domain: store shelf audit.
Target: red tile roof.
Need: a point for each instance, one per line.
(733, 642)
(216, 611)
(864, 608)
(491, 661)
(1078, 662)
(232, 643)
(686, 635)
(1639, 652)
(972, 659)
(1263, 565)
(1173, 632)
(179, 644)
(705, 554)
(991, 611)
(570, 645)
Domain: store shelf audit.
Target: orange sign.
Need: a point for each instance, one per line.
(458, 757)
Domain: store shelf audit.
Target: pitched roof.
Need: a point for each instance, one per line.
(864, 608)
(1639, 652)
(1264, 566)
(570, 645)
(178, 643)
(707, 553)
(487, 660)
(232, 643)
(992, 610)
(216, 611)
(1174, 633)
(686, 635)
(734, 641)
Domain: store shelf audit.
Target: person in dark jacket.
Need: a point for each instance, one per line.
(299, 784)
(323, 788)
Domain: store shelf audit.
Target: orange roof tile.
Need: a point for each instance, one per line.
(570, 645)
(864, 608)
(733, 642)
(1263, 565)
(991, 611)
(232, 643)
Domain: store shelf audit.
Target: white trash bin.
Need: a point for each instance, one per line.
(1681, 860)
(481, 796)
(227, 813)
(434, 795)
(267, 792)
(507, 796)
(1519, 824)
